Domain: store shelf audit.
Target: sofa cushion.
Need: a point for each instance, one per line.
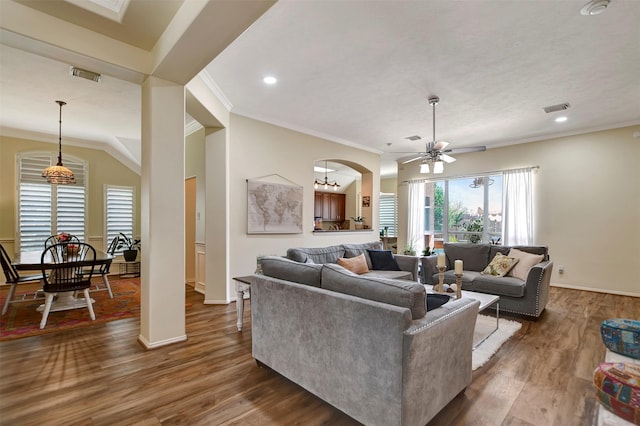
(383, 260)
(525, 262)
(353, 250)
(357, 265)
(435, 300)
(402, 293)
(316, 254)
(501, 286)
(500, 265)
(475, 257)
(286, 269)
(394, 275)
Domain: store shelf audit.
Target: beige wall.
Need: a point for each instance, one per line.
(194, 166)
(389, 185)
(103, 170)
(586, 203)
(259, 149)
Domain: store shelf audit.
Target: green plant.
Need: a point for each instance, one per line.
(427, 251)
(477, 225)
(126, 243)
(358, 219)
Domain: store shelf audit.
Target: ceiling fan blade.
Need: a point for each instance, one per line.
(447, 158)
(467, 149)
(411, 159)
(440, 145)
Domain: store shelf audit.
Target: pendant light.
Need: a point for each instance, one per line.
(59, 174)
(326, 184)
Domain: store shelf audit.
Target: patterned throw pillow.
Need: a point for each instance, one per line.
(500, 265)
(357, 265)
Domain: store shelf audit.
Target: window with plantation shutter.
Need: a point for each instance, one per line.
(389, 213)
(46, 209)
(119, 212)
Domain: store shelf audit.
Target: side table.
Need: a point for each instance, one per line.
(243, 285)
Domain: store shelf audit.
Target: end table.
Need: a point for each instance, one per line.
(243, 285)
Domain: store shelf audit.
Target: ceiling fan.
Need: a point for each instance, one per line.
(436, 152)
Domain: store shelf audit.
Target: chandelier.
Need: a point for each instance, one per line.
(326, 184)
(59, 174)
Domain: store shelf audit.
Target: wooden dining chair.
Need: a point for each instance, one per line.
(55, 239)
(104, 268)
(13, 278)
(66, 271)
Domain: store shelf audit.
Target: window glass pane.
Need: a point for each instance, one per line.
(34, 215)
(466, 210)
(119, 212)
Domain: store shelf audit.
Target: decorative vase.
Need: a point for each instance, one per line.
(130, 255)
(359, 225)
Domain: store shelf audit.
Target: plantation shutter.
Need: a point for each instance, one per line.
(47, 209)
(389, 213)
(119, 211)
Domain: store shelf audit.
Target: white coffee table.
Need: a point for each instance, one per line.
(485, 299)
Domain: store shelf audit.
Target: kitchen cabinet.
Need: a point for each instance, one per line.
(329, 206)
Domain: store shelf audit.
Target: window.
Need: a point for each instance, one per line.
(46, 209)
(389, 213)
(465, 209)
(118, 212)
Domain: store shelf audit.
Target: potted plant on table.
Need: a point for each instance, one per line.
(129, 247)
(359, 221)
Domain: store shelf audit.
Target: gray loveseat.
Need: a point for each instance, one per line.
(526, 297)
(364, 344)
(409, 265)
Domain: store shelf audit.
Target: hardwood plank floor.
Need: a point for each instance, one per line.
(102, 376)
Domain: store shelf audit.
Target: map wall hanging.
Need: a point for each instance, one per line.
(273, 208)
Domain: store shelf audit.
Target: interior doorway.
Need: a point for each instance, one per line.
(190, 230)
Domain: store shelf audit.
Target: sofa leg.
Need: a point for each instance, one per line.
(261, 364)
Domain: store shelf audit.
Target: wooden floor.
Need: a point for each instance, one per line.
(102, 376)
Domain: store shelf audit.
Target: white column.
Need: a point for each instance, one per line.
(217, 218)
(162, 311)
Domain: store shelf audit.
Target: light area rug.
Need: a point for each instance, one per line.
(484, 325)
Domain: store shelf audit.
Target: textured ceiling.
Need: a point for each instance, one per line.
(360, 72)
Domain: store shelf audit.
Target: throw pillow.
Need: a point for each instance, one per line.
(525, 262)
(500, 265)
(383, 260)
(435, 300)
(357, 265)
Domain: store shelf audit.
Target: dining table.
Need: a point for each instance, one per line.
(32, 261)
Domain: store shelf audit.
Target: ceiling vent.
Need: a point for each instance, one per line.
(554, 108)
(413, 138)
(89, 75)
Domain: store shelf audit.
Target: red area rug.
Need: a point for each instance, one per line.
(22, 319)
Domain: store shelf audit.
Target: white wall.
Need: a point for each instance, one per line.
(259, 149)
(587, 203)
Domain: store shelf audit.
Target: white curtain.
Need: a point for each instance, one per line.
(415, 220)
(517, 217)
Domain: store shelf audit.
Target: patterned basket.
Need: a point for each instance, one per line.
(622, 336)
(617, 387)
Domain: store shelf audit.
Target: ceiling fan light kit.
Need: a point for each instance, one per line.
(435, 151)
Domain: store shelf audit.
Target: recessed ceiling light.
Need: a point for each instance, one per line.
(561, 119)
(270, 80)
(594, 7)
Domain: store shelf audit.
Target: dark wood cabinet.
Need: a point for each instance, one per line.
(329, 206)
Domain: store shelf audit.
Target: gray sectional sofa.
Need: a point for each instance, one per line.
(409, 265)
(526, 297)
(366, 345)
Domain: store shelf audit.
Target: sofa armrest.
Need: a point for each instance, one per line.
(408, 263)
(428, 267)
(537, 284)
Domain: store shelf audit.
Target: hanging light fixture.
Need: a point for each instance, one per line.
(326, 184)
(438, 166)
(59, 174)
(424, 166)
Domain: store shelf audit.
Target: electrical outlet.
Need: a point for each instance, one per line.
(561, 269)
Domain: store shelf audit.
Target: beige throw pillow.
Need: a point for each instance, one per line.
(500, 265)
(357, 265)
(525, 262)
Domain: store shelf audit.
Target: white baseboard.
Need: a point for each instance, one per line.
(154, 345)
(596, 290)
